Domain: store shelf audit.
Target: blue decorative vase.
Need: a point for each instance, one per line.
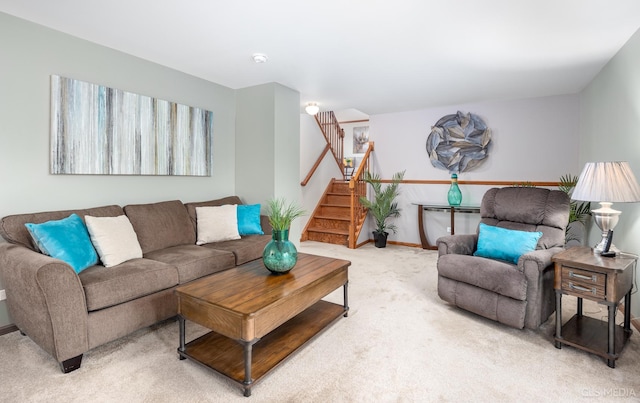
(454, 196)
(280, 255)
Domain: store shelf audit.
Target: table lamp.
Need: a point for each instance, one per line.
(606, 183)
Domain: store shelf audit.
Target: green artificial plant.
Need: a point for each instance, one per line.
(579, 212)
(281, 214)
(383, 205)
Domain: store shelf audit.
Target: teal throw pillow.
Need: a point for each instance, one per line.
(67, 240)
(505, 244)
(249, 219)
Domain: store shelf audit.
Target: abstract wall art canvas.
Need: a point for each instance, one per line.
(360, 139)
(105, 131)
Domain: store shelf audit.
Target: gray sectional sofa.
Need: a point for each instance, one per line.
(68, 313)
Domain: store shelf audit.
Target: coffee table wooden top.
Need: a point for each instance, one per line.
(247, 302)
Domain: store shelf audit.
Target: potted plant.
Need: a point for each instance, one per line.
(280, 255)
(383, 206)
(578, 212)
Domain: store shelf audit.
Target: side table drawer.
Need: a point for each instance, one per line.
(583, 282)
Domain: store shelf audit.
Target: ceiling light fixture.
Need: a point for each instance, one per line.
(312, 108)
(259, 58)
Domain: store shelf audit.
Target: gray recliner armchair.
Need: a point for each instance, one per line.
(516, 294)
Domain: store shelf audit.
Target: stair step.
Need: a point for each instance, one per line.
(338, 199)
(330, 223)
(340, 187)
(329, 230)
(332, 217)
(335, 211)
(337, 239)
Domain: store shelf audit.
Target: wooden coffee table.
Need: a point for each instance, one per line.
(248, 304)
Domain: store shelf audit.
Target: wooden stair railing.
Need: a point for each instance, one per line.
(357, 189)
(315, 165)
(334, 136)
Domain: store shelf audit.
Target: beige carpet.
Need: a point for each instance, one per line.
(400, 343)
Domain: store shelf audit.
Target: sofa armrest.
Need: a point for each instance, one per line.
(266, 226)
(46, 300)
(539, 272)
(537, 259)
(463, 244)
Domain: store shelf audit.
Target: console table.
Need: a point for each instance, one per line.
(422, 207)
(583, 274)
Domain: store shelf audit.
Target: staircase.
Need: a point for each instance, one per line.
(338, 217)
(330, 220)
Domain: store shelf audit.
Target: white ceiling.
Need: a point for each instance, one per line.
(374, 56)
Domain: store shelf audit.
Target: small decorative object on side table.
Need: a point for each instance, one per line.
(581, 273)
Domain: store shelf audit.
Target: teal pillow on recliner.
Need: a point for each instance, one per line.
(67, 240)
(505, 244)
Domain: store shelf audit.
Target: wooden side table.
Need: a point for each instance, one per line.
(581, 273)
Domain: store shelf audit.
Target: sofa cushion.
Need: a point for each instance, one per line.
(66, 239)
(248, 248)
(161, 225)
(114, 239)
(249, 219)
(498, 276)
(193, 261)
(105, 287)
(13, 230)
(216, 223)
(505, 244)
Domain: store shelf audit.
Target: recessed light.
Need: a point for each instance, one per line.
(259, 58)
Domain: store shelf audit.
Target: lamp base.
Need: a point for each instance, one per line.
(600, 247)
(606, 219)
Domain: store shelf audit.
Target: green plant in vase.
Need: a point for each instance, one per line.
(383, 206)
(280, 255)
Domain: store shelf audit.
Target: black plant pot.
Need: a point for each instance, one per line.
(380, 239)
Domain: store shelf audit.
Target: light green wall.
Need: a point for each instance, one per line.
(29, 55)
(287, 151)
(610, 131)
(268, 146)
(255, 142)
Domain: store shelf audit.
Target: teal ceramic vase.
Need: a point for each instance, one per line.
(280, 255)
(454, 196)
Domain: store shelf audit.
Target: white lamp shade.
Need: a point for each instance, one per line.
(607, 182)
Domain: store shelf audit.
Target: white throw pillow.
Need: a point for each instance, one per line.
(114, 239)
(217, 223)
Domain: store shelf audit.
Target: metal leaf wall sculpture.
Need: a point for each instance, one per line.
(458, 142)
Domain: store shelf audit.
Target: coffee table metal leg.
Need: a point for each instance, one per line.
(346, 299)
(181, 326)
(248, 347)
